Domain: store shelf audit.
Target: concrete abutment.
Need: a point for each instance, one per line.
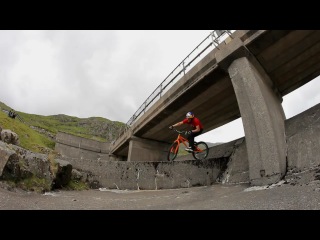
(144, 150)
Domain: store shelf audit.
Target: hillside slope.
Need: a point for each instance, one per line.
(37, 132)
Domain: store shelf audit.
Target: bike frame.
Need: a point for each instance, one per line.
(180, 139)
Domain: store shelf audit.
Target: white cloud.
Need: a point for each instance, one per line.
(302, 98)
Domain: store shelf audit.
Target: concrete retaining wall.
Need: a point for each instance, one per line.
(226, 163)
(303, 140)
(78, 147)
(150, 175)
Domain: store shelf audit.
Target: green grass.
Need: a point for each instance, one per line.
(34, 184)
(76, 185)
(92, 128)
(29, 138)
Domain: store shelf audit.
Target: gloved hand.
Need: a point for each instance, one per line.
(171, 127)
(188, 132)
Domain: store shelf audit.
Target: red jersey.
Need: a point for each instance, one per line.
(194, 122)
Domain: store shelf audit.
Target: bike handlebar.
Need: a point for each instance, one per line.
(173, 129)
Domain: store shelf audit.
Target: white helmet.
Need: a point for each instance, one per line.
(189, 115)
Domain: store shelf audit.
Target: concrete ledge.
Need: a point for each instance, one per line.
(152, 175)
(226, 163)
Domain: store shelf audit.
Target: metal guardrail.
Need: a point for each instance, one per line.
(212, 40)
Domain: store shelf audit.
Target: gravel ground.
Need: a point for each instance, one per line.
(286, 195)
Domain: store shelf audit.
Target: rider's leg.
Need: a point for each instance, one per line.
(191, 138)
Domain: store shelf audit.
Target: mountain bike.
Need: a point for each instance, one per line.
(201, 148)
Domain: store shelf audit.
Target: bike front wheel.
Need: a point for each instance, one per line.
(173, 151)
(201, 151)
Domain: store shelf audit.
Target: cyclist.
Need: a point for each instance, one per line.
(197, 129)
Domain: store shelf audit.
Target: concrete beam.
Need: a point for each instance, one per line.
(263, 121)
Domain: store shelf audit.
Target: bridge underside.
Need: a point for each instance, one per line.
(212, 100)
(289, 58)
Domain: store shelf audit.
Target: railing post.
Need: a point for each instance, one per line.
(219, 33)
(229, 33)
(184, 72)
(214, 40)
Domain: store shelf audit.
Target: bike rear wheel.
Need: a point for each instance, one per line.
(173, 151)
(201, 152)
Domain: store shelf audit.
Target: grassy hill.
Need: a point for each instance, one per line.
(37, 132)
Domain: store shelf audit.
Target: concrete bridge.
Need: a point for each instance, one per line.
(246, 76)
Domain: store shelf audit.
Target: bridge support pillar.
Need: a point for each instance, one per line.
(144, 150)
(263, 120)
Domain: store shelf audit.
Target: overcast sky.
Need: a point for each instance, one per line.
(105, 73)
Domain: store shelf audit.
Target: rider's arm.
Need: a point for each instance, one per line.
(197, 129)
(177, 124)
